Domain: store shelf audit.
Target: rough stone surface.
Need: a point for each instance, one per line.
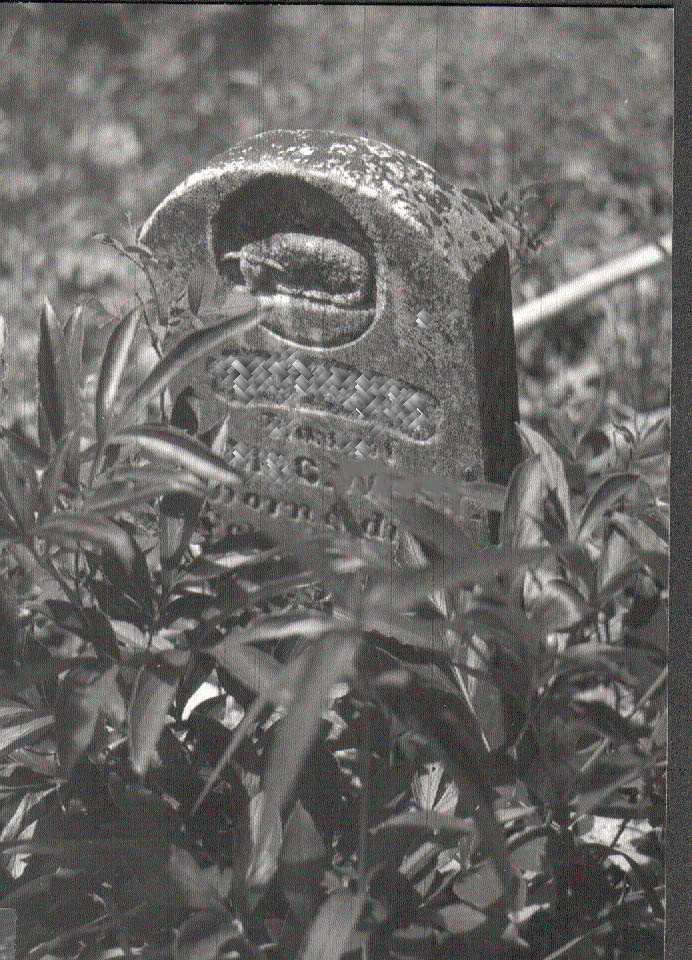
(386, 316)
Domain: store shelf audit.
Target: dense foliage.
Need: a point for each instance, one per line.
(420, 748)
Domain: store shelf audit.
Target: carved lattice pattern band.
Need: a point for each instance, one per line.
(292, 379)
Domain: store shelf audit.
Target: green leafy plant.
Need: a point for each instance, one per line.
(226, 734)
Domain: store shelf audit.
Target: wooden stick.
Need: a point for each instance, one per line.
(567, 295)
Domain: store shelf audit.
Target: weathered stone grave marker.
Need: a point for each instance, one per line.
(386, 326)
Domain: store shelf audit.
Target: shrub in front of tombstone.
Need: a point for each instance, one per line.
(223, 739)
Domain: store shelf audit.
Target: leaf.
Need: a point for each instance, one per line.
(528, 851)
(461, 918)
(152, 696)
(70, 529)
(113, 498)
(641, 535)
(24, 450)
(333, 925)
(74, 338)
(303, 852)
(208, 936)
(275, 687)
(255, 669)
(16, 496)
(302, 860)
(523, 505)
(191, 888)
(109, 241)
(83, 695)
(57, 387)
(428, 821)
(425, 786)
(44, 434)
(400, 590)
(610, 722)
(29, 675)
(112, 369)
(193, 347)
(331, 661)
(277, 626)
(429, 525)
(453, 733)
(201, 282)
(480, 887)
(89, 623)
(178, 517)
(66, 451)
(604, 496)
(554, 472)
(132, 577)
(561, 608)
(21, 734)
(175, 446)
(257, 841)
(617, 560)
(488, 496)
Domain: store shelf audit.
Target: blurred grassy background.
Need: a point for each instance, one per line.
(565, 115)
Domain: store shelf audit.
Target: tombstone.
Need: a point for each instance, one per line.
(386, 330)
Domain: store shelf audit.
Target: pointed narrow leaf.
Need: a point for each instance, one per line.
(182, 450)
(257, 841)
(21, 734)
(429, 525)
(604, 496)
(479, 887)
(333, 925)
(207, 935)
(55, 471)
(152, 696)
(178, 515)
(112, 498)
(79, 703)
(562, 607)
(331, 662)
(195, 288)
(302, 848)
(190, 887)
(74, 337)
(455, 736)
(24, 450)
(400, 590)
(44, 434)
(255, 669)
(69, 529)
(523, 505)
(554, 471)
(412, 630)
(193, 347)
(86, 622)
(112, 369)
(57, 388)
(16, 495)
(131, 577)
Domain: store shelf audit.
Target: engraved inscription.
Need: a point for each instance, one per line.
(374, 526)
(297, 382)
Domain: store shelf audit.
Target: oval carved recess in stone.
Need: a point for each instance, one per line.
(305, 258)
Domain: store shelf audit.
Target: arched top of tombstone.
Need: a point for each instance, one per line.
(372, 201)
